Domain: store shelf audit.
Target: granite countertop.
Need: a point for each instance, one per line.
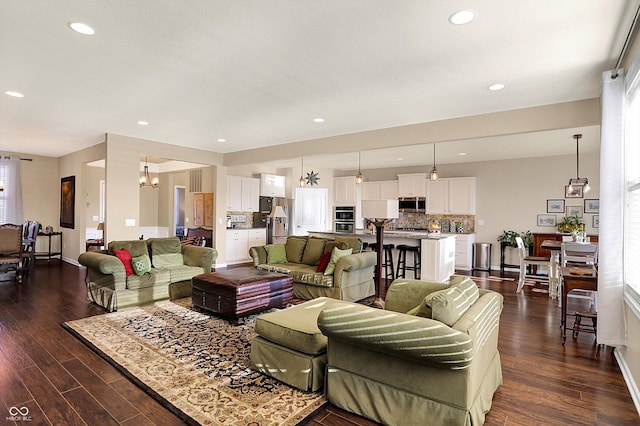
(412, 235)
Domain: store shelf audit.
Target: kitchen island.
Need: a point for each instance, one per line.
(437, 255)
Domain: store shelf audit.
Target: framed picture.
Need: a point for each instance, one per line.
(547, 220)
(574, 211)
(574, 191)
(67, 201)
(555, 206)
(596, 221)
(591, 206)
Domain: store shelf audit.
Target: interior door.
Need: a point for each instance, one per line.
(310, 212)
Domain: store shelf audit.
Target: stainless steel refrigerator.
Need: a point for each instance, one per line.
(277, 228)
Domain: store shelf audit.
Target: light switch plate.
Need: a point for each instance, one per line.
(129, 222)
(95, 218)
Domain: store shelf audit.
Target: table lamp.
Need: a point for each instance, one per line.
(379, 212)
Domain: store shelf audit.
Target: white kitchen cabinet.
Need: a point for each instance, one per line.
(272, 185)
(243, 194)
(452, 196)
(412, 185)
(437, 258)
(345, 190)
(237, 245)
(257, 237)
(464, 251)
(382, 190)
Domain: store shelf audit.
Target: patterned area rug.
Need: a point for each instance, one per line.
(195, 364)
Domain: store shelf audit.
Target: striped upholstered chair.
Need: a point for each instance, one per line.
(430, 357)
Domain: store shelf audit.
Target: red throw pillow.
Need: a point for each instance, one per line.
(324, 261)
(125, 258)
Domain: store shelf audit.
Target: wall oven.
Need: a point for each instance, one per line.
(344, 219)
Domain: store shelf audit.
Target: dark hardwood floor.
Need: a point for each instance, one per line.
(62, 382)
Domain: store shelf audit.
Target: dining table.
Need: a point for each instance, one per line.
(575, 278)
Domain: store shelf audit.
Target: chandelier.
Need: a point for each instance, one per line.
(145, 179)
(578, 181)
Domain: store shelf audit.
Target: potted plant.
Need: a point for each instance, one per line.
(570, 223)
(509, 237)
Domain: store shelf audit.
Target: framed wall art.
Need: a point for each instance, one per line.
(555, 206)
(574, 191)
(547, 220)
(67, 201)
(592, 206)
(574, 211)
(596, 221)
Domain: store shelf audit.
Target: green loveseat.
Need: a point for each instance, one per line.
(351, 280)
(400, 366)
(173, 266)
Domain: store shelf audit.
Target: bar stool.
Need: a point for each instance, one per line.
(387, 261)
(402, 261)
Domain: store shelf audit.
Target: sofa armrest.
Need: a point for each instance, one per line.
(259, 255)
(355, 262)
(199, 256)
(404, 294)
(418, 339)
(482, 320)
(104, 269)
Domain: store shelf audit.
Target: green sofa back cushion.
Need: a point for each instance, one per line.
(352, 242)
(141, 264)
(450, 304)
(331, 244)
(135, 247)
(295, 249)
(165, 252)
(335, 255)
(313, 251)
(276, 253)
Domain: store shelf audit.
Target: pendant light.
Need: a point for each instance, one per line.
(145, 179)
(578, 181)
(434, 172)
(359, 177)
(301, 181)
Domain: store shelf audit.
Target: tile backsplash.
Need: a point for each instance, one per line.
(421, 221)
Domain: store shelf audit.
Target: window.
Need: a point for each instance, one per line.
(632, 179)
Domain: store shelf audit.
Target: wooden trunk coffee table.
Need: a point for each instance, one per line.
(243, 291)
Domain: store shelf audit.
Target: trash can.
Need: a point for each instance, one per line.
(482, 256)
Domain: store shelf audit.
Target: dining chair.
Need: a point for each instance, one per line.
(526, 260)
(29, 236)
(11, 249)
(580, 255)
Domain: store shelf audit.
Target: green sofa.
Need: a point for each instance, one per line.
(400, 366)
(351, 280)
(173, 266)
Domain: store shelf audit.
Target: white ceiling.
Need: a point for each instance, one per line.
(257, 72)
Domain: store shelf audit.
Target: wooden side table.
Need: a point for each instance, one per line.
(50, 254)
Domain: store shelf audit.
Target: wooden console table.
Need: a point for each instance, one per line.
(50, 254)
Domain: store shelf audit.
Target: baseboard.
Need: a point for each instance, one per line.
(628, 378)
(71, 261)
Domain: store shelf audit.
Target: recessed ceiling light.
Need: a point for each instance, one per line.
(497, 86)
(318, 120)
(14, 94)
(462, 17)
(222, 140)
(400, 159)
(81, 28)
(462, 153)
(143, 123)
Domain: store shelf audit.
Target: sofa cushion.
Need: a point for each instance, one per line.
(300, 273)
(351, 242)
(154, 277)
(324, 262)
(125, 258)
(276, 253)
(450, 304)
(295, 249)
(141, 264)
(184, 272)
(135, 247)
(165, 252)
(313, 251)
(331, 244)
(335, 255)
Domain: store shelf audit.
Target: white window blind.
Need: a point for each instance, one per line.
(3, 197)
(632, 178)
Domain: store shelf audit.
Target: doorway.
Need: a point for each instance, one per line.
(179, 210)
